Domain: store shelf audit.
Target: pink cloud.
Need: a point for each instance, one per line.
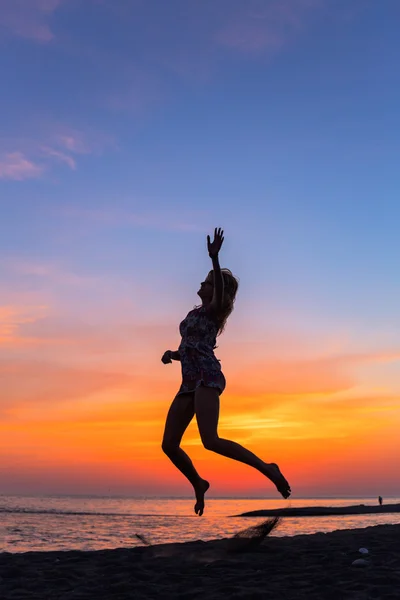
(28, 18)
(61, 156)
(76, 141)
(320, 374)
(64, 144)
(37, 381)
(15, 165)
(54, 144)
(51, 271)
(266, 26)
(13, 317)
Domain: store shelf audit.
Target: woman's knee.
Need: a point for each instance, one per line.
(169, 446)
(210, 442)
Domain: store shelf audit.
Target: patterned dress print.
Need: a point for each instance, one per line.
(198, 361)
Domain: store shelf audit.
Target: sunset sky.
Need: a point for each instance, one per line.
(129, 130)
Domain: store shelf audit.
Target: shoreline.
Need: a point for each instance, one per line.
(318, 566)
(324, 511)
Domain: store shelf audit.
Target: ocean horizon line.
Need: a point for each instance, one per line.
(190, 497)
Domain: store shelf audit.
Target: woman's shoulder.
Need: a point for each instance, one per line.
(192, 314)
(205, 311)
(210, 313)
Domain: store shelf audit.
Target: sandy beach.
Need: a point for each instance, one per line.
(307, 566)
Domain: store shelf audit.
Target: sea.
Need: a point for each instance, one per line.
(48, 523)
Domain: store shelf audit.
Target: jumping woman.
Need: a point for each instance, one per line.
(203, 381)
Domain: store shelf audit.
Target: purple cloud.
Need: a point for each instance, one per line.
(78, 142)
(60, 156)
(60, 144)
(15, 165)
(28, 18)
(264, 26)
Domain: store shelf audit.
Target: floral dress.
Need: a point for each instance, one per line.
(198, 361)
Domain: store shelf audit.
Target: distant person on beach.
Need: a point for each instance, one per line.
(203, 381)
(380, 500)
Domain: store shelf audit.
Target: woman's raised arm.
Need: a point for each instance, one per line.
(213, 251)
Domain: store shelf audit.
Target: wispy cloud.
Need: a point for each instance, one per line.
(16, 166)
(321, 375)
(77, 141)
(65, 144)
(61, 156)
(51, 271)
(50, 382)
(74, 142)
(13, 317)
(265, 27)
(32, 156)
(29, 18)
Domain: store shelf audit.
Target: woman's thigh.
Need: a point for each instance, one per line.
(206, 404)
(180, 414)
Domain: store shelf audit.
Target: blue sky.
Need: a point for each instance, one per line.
(130, 124)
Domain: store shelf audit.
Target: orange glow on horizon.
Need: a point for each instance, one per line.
(100, 423)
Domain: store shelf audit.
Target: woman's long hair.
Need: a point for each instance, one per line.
(231, 285)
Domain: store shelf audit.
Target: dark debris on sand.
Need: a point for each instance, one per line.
(315, 566)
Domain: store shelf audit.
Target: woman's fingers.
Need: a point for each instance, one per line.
(218, 233)
(218, 238)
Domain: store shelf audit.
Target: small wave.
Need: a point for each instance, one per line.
(49, 511)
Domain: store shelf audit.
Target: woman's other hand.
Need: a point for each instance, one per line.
(166, 357)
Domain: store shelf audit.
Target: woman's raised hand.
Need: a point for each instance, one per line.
(215, 246)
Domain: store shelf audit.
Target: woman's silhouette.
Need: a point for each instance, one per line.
(203, 381)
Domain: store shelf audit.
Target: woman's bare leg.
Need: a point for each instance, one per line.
(180, 414)
(207, 414)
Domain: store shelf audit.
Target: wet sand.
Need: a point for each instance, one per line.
(317, 566)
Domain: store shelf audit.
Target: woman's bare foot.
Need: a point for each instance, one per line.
(200, 490)
(273, 473)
